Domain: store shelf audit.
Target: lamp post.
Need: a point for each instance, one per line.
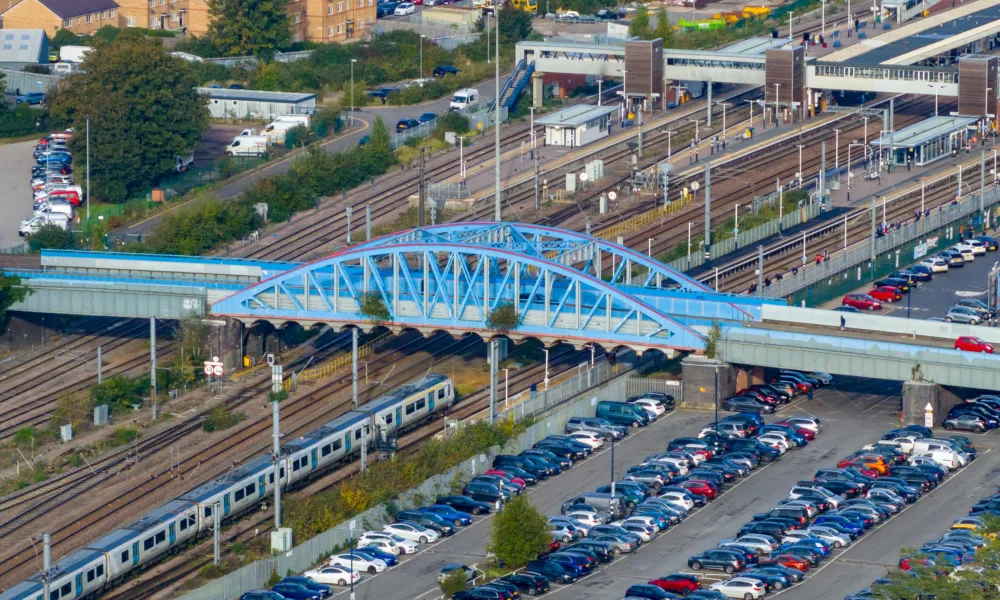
(777, 91)
(649, 247)
(689, 244)
(546, 380)
(724, 106)
(506, 387)
(836, 150)
(88, 173)
(612, 465)
(353, 60)
(422, 60)
(851, 145)
(716, 399)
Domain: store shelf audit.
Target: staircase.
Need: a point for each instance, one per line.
(515, 84)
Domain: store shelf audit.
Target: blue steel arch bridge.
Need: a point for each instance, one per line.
(565, 286)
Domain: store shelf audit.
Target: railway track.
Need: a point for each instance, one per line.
(244, 530)
(783, 255)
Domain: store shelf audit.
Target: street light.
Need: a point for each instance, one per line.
(353, 60)
(546, 380)
(649, 247)
(422, 60)
(506, 387)
(851, 145)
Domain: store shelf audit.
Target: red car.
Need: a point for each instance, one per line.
(809, 434)
(505, 475)
(886, 293)
(971, 343)
(702, 488)
(865, 469)
(861, 302)
(907, 563)
(678, 583)
(791, 561)
(758, 395)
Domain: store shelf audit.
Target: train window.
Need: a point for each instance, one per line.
(66, 589)
(327, 450)
(295, 465)
(124, 557)
(161, 537)
(357, 434)
(337, 444)
(147, 543)
(100, 570)
(388, 419)
(183, 524)
(421, 404)
(281, 472)
(238, 496)
(250, 489)
(441, 393)
(409, 409)
(90, 575)
(54, 595)
(270, 478)
(208, 511)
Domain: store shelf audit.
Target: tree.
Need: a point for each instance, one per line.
(144, 113)
(519, 533)
(249, 27)
(455, 582)
(50, 236)
(63, 37)
(663, 29)
(515, 26)
(639, 26)
(11, 292)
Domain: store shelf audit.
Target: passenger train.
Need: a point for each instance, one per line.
(106, 562)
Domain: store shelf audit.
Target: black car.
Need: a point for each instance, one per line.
(729, 561)
(385, 9)
(465, 504)
(442, 70)
(845, 489)
(915, 274)
(748, 404)
(902, 284)
(552, 571)
(768, 527)
(480, 593)
(560, 450)
(405, 124)
(603, 551)
(528, 583)
(762, 451)
(307, 582)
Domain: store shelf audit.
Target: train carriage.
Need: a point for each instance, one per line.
(241, 489)
(324, 446)
(81, 574)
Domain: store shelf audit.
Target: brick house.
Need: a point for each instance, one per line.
(78, 16)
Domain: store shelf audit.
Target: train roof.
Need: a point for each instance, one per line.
(115, 539)
(206, 491)
(249, 469)
(167, 512)
(383, 402)
(25, 590)
(343, 421)
(32, 587)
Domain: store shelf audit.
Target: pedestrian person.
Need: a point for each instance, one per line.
(843, 323)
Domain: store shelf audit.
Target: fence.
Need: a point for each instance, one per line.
(28, 82)
(646, 218)
(834, 270)
(306, 555)
(450, 42)
(251, 61)
(746, 238)
(479, 120)
(328, 369)
(428, 30)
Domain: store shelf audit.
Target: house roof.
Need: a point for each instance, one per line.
(65, 9)
(28, 46)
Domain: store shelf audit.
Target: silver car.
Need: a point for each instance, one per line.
(594, 425)
(963, 314)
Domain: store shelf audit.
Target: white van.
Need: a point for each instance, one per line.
(297, 119)
(948, 459)
(925, 445)
(275, 132)
(248, 145)
(463, 99)
(37, 220)
(54, 207)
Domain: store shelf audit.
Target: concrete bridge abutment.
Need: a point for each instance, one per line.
(917, 395)
(698, 375)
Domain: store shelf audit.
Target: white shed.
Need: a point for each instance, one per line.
(239, 104)
(577, 125)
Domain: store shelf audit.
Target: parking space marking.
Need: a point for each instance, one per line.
(874, 530)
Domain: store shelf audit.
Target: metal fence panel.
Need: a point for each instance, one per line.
(28, 82)
(450, 42)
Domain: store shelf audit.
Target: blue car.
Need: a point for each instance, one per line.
(324, 590)
(842, 523)
(799, 439)
(448, 513)
(811, 543)
(294, 591)
(389, 558)
(427, 117)
(773, 581)
(30, 98)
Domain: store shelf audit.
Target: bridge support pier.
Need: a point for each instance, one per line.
(537, 90)
(918, 394)
(698, 377)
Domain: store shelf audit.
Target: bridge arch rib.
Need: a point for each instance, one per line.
(453, 277)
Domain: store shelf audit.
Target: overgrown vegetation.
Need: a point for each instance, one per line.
(22, 120)
(221, 417)
(454, 583)
(50, 237)
(374, 309)
(712, 341)
(503, 319)
(12, 291)
(120, 392)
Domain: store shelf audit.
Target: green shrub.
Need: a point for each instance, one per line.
(503, 318)
(450, 121)
(455, 582)
(119, 392)
(51, 237)
(22, 121)
(374, 309)
(220, 418)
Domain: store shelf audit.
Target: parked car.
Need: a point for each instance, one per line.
(963, 314)
(442, 70)
(334, 575)
(968, 422)
(447, 570)
(742, 588)
(405, 8)
(405, 124)
(887, 294)
(30, 98)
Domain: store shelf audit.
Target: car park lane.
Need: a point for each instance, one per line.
(17, 162)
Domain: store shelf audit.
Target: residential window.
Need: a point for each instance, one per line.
(68, 23)
(88, 18)
(361, 3)
(340, 8)
(329, 11)
(329, 33)
(298, 17)
(131, 21)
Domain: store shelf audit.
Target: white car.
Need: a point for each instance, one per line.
(811, 510)
(833, 537)
(360, 563)
(384, 545)
(692, 458)
(677, 499)
(585, 518)
(640, 520)
(589, 438)
(406, 8)
(740, 588)
(968, 254)
(977, 246)
(405, 546)
(682, 469)
(651, 406)
(811, 423)
(775, 440)
(936, 265)
(334, 575)
(412, 532)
